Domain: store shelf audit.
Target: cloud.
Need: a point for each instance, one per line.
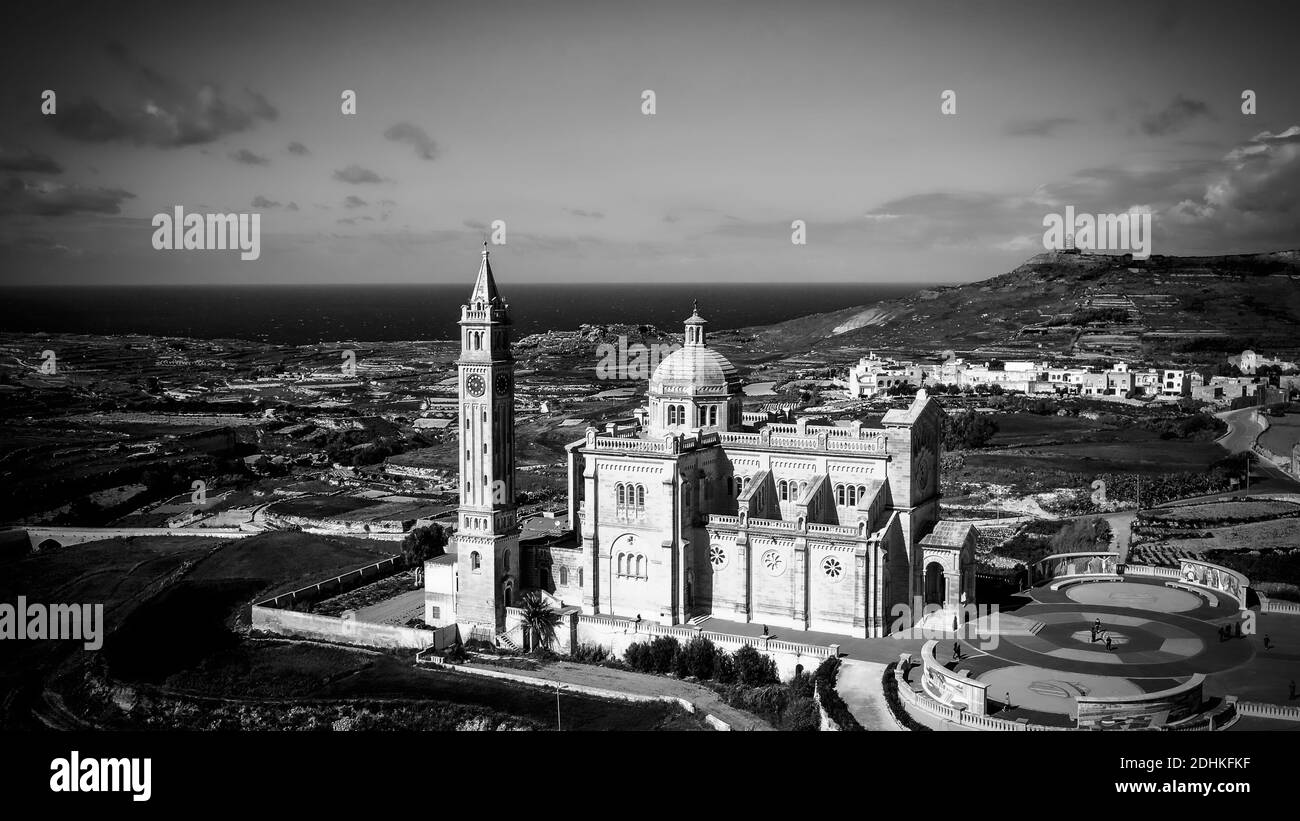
(262, 202)
(159, 111)
(50, 199)
(578, 212)
(476, 225)
(37, 244)
(356, 175)
(1175, 117)
(28, 162)
(292, 206)
(669, 218)
(353, 201)
(247, 157)
(415, 136)
(1251, 201)
(1044, 127)
(298, 148)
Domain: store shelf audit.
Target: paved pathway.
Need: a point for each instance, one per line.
(704, 699)
(397, 610)
(859, 684)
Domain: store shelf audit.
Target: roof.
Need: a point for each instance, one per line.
(948, 534)
(485, 287)
(911, 414)
(695, 365)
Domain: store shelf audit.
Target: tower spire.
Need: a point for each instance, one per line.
(485, 287)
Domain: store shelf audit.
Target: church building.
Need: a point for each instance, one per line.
(698, 508)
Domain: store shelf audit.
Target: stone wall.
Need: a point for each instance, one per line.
(616, 634)
(349, 631)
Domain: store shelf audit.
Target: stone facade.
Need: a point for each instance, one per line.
(696, 509)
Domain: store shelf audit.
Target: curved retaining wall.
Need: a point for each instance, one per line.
(1144, 711)
(1221, 580)
(1091, 563)
(956, 690)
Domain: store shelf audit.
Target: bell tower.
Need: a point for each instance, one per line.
(487, 537)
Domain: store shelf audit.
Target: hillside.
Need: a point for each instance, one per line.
(1083, 305)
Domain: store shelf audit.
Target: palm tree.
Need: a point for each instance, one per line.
(539, 619)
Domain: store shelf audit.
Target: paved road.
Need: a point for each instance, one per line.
(859, 684)
(624, 681)
(1243, 429)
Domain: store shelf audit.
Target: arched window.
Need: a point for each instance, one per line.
(475, 562)
(672, 415)
(505, 561)
(839, 494)
(713, 414)
(619, 494)
(862, 493)
(783, 490)
(803, 488)
(640, 500)
(853, 496)
(579, 577)
(564, 576)
(640, 567)
(621, 568)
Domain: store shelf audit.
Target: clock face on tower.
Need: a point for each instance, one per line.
(475, 384)
(503, 382)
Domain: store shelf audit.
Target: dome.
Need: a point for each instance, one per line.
(696, 367)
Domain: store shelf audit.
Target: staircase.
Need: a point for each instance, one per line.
(504, 640)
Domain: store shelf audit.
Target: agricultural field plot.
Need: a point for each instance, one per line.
(1279, 533)
(1226, 513)
(1282, 434)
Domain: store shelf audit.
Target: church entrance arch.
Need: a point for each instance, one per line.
(934, 583)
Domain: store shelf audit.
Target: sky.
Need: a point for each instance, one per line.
(532, 113)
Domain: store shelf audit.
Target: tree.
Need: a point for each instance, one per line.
(968, 430)
(1080, 536)
(540, 620)
(423, 543)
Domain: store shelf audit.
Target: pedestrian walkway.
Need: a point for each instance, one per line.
(860, 684)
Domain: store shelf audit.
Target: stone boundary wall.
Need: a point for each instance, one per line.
(350, 631)
(336, 585)
(1255, 708)
(1271, 605)
(617, 634)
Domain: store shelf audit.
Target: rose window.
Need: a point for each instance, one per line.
(774, 562)
(717, 557)
(831, 567)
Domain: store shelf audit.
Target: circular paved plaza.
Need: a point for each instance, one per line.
(1048, 654)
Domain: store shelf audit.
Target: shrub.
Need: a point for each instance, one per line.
(637, 657)
(698, 658)
(801, 715)
(658, 656)
(589, 654)
(753, 668)
(896, 705)
(724, 668)
(663, 654)
(834, 706)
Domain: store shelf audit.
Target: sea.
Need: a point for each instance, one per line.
(308, 314)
